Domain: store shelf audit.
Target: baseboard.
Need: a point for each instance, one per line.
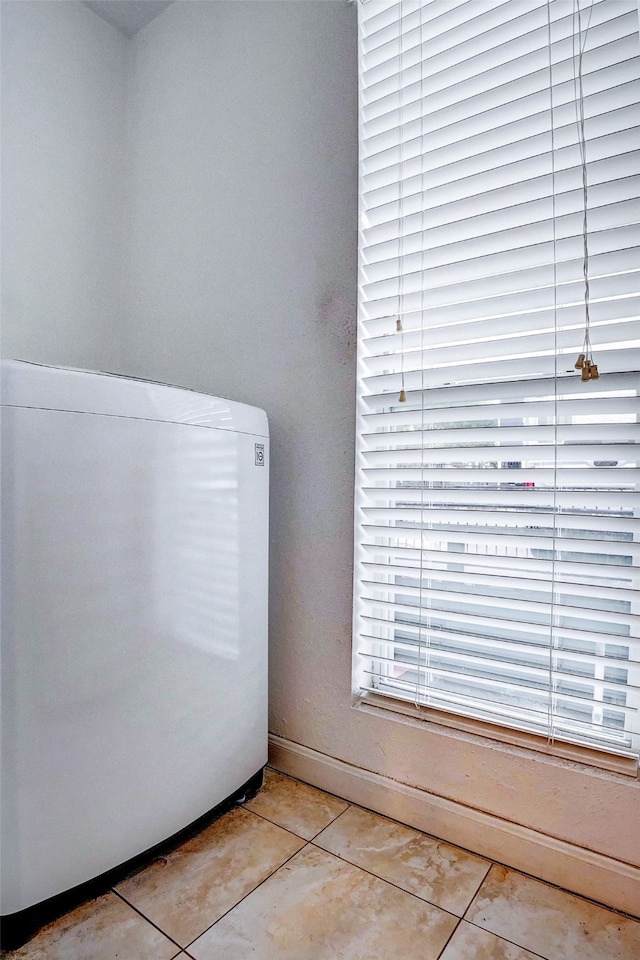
(589, 874)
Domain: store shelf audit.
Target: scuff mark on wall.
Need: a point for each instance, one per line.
(337, 311)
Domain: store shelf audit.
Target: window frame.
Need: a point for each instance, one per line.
(491, 729)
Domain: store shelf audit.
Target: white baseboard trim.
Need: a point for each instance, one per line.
(563, 864)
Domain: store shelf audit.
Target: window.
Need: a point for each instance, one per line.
(497, 544)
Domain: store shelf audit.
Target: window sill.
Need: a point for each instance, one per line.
(396, 709)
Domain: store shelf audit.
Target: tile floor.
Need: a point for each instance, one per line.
(296, 874)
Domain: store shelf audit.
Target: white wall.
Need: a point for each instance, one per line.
(243, 283)
(63, 83)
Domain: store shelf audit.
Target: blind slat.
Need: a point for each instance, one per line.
(568, 572)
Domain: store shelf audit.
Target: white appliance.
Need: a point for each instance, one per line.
(134, 618)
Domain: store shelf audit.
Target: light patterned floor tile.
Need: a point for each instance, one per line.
(296, 806)
(428, 868)
(317, 907)
(472, 943)
(555, 924)
(197, 883)
(103, 929)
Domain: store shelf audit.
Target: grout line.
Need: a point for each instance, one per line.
(555, 886)
(484, 929)
(477, 890)
(424, 833)
(449, 939)
(506, 940)
(273, 823)
(299, 836)
(144, 917)
(383, 880)
(331, 822)
(470, 904)
(333, 819)
(248, 893)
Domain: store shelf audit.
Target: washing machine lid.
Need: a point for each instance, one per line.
(24, 384)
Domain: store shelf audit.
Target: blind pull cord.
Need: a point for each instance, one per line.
(400, 329)
(584, 363)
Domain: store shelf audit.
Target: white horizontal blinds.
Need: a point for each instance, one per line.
(497, 507)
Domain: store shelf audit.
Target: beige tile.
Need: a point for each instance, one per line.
(317, 907)
(297, 807)
(103, 929)
(190, 889)
(428, 868)
(551, 922)
(472, 943)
